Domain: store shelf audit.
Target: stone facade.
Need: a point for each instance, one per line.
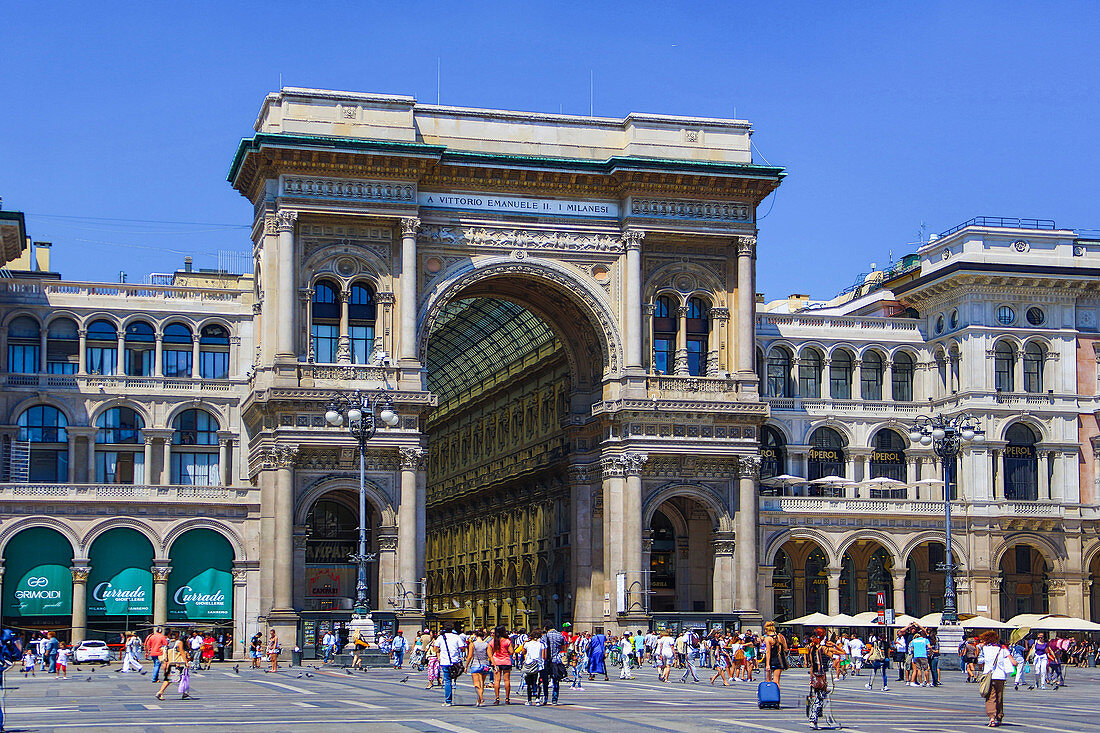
(562, 313)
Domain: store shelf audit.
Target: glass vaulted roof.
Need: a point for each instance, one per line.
(474, 338)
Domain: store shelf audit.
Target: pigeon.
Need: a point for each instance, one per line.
(236, 669)
(404, 679)
(299, 676)
(88, 679)
(309, 674)
(347, 671)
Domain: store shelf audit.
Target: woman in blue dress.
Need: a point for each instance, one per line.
(596, 650)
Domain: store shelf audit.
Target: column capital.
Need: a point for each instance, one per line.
(746, 245)
(161, 573)
(80, 573)
(285, 219)
(240, 576)
(720, 314)
(281, 456)
(413, 458)
(633, 461)
(409, 226)
(632, 238)
(748, 466)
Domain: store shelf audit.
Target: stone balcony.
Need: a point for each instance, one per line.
(242, 496)
(827, 505)
(81, 295)
(824, 406)
(119, 384)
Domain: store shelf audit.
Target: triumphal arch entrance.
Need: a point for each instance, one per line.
(560, 311)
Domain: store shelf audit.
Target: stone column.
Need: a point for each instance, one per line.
(834, 590)
(120, 355)
(746, 313)
(680, 363)
(158, 357)
(224, 467)
(912, 475)
(283, 586)
(827, 378)
(166, 465)
(409, 508)
(632, 528)
(80, 572)
(71, 444)
(1057, 476)
(998, 475)
(82, 355)
(632, 241)
(407, 298)
(586, 586)
(240, 609)
(857, 379)
(161, 571)
(149, 459)
(748, 508)
(285, 330)
(1044, 475)
(718, 356)
(90, 456)
(613, 552)
(898, 578)
(343, 348)
(888, 380)
(306, 297)
(43, 344)
(724, 575)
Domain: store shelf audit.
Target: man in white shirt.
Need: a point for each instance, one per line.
(450, 646)
(855, 651)
(328, 644)
(691, 655)
(196, 650)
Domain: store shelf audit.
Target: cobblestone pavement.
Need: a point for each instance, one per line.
(383, 700)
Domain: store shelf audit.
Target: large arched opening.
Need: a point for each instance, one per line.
(513, 351)
(681, 562)
(38, 582)
(865, 572)
(800, 579)
(1024, 573)
(120, 584)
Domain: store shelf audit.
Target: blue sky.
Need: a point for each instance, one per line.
(886, 115)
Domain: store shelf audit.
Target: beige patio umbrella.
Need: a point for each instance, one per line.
(813, 619)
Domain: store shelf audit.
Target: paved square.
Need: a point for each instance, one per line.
(332, 700)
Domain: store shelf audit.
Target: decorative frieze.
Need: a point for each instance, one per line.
(520, 239)
(349, 189)
(732, 211)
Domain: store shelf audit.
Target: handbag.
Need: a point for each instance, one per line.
(985, 682)
(818, 682)
(184, 685)
(531, 667)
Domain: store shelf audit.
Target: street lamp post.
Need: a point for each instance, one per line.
(947, 435)
(356, 411)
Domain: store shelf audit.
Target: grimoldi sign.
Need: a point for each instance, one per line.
(45, 590)
(518, 205)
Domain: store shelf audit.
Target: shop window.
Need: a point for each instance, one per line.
(1021, 464)
(826, 456)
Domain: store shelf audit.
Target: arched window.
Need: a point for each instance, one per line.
(44, 427)
(840, 375)
(779, 372)
(195, 462)
(662, 558)
(362, 313)
(665, 325)
(773, 452)
(119, 455)
(177, 350)
(1033, 367)
(102, 348)
(903, 377)
(809, 373)
(326, 321)
(1021, 464)
(214, 352)
(24, 344)
(62, 346)
(870, 372)
(761, 379)
(140, 348)
(697, 324)
(1004, 366)
(888, 456)
(826, 457)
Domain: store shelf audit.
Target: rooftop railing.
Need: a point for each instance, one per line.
(1003, 222)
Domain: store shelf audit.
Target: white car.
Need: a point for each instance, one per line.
(92, 650)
